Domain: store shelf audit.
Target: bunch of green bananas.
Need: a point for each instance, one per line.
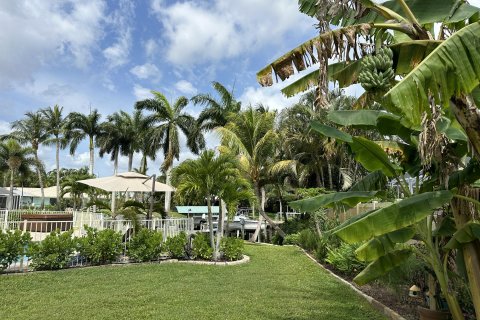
(377, 72)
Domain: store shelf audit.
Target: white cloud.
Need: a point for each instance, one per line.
(141, 93)
(118, 53)
(80, 160)
(185, 87)
(146, 71)
(35, 32)
(200, 31)
(4, 127)
(151, 48)
(270, 97)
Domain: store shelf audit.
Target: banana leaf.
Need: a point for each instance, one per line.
(375, 180)
(372, 156)
(468, 233)
(359, 118)
(381, 266)
(407, 55)
(380, 246)
(394, 217)
(331, 132)
(452, 68)
(349, 198)
(446, 228)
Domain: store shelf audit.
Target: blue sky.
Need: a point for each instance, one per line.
(109, 54)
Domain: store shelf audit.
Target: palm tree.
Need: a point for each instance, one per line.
(204, 178)
(81, 126)
(71, 185)
(14, 159)
(56, 127)
(216, 112)
(32, 130)
(168, 120)
(250, 134)
(133, 129)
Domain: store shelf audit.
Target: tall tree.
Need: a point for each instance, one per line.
(14, 159)
(250, 134)
(205, 178)
(217, 110)
(56, 127)
(32, 130)
(168, 120)
(81, 126)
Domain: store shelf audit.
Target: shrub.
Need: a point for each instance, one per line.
(308, 239)
(100, 247)
(176, 245)
(232, 248)
(292, 238)
(146, 245)
(53, 252)
(344, 259)
(12, 247)
(201, 247)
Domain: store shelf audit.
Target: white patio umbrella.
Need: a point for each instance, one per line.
(129, 182)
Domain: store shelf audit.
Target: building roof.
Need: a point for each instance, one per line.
(196, 210)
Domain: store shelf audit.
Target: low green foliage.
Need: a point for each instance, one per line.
(344, 259)
(12, 247)
(146, 245)
(232, 248)
(176, 245)
(292, 238)
(308, 240)
(53, 253)
(201, 247)
(100, 247)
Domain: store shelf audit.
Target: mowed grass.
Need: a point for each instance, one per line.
(278, 283)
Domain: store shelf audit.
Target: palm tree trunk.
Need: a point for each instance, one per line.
(10, 196)
(168, 194)
(92, 155)
(143, 164)
(318, 178)
(40, 178)
(210, 223)
(266, 217)
(330, 178)
(114, 194)
(323, 177)
(130, 161)
(221, 216)
(57, 162)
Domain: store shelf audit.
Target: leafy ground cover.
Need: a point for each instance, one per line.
(278, 283)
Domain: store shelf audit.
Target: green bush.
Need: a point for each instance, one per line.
(325, 242)
(176, 245)
(100, 247)
(146, 245)
(292, 238)
(12, 247)
(201, 247)
(232, 248)
(54, 252)
(344, 259)
(308, 240)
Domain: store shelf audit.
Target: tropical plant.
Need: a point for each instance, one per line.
(168, 120)
(71, 185)
(146, 245)
(56, 127)
(176, 245)
(16, 160)
(232, 248)
(32, 130)
(201, 247)
(251, 136)
(217, 111)
(12, 247)
(205, 178)
(435, 85)
(100, 246)
(81, 126)
(54, 252)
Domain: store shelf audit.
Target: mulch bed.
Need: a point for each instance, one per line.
(398, 301)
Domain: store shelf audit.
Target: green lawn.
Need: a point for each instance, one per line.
(278, 283)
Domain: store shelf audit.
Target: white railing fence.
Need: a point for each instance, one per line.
(40, 229)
